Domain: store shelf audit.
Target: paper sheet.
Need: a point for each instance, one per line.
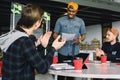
(68, 36)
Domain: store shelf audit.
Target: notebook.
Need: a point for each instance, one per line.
(61, 66)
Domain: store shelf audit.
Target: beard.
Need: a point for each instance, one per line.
(71, 16)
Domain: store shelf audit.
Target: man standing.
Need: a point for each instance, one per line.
(73, 29)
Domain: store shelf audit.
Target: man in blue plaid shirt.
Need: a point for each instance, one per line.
(21, 55)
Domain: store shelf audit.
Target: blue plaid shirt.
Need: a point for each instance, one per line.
(74, 26)
(22, 58)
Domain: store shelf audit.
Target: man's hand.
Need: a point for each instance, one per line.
(44, 39)
(76, 41)
(99, 52)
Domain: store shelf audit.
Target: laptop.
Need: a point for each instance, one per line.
(84, 56)
(68, 64)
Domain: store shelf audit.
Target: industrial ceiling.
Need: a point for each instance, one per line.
(91, 13)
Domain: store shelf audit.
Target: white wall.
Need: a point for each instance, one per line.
(93, 31)
(117, 25)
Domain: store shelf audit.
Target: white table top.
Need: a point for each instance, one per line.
(95, 70)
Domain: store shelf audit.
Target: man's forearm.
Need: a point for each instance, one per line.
(82, 37)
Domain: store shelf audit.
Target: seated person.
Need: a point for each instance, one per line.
(111, 46)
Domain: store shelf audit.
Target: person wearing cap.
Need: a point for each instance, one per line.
(111, 46)
(68, 25)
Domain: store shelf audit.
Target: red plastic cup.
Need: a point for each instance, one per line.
(1, 63)
(78, 64)
(103, 59)
(1, 68)
(55, 60)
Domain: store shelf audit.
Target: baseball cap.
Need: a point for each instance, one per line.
(115, 31)
(74, 5)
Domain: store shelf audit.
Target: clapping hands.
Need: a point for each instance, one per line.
(58, 43)
(99, 52)
(44, 40)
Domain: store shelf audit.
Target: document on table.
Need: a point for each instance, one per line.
(61, 66)
(68, 36)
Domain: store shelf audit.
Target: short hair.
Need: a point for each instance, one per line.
(30, 14)
(115, 32)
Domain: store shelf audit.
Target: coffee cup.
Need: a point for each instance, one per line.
(78, 64)
(55, 60)
(103, 59)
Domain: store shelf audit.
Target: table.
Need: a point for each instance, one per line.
(95, 70)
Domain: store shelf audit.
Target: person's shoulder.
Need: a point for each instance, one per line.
(78, 18)
(106, 43)
(23, 39)
(62, 18)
